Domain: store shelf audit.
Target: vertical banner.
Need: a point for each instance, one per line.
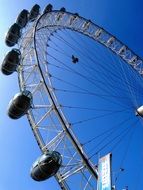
(104, 173)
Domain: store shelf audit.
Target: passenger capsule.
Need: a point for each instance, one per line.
(76, 14)
(34, 12)
(20, 104)
(46, 166)
(22, 18)
(48, 9)
(13, 35)
(63, 9)
(10, 62)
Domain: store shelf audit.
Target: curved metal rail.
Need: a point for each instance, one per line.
(34, 75)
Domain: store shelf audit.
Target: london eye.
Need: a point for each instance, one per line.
(81, 89)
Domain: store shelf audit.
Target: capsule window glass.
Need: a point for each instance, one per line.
(28, 94)
(35, 163)
(45, 158)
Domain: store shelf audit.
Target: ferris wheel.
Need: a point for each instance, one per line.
(80, 88)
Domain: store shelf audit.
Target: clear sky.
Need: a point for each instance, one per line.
(18, 147)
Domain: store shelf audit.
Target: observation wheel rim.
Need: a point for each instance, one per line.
(96, 25)
(57, 109)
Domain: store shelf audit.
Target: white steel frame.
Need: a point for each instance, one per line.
(48, 123)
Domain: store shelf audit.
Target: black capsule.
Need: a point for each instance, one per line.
(63, 9)
(22, 18)
(76, 14)
(34, 12)
(11, 62)
(13, 35)
(20, 104)
(48, 9)
(46, 166)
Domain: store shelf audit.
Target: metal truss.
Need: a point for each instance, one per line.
(48, 123)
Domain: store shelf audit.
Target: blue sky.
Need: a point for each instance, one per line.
(17, 144)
